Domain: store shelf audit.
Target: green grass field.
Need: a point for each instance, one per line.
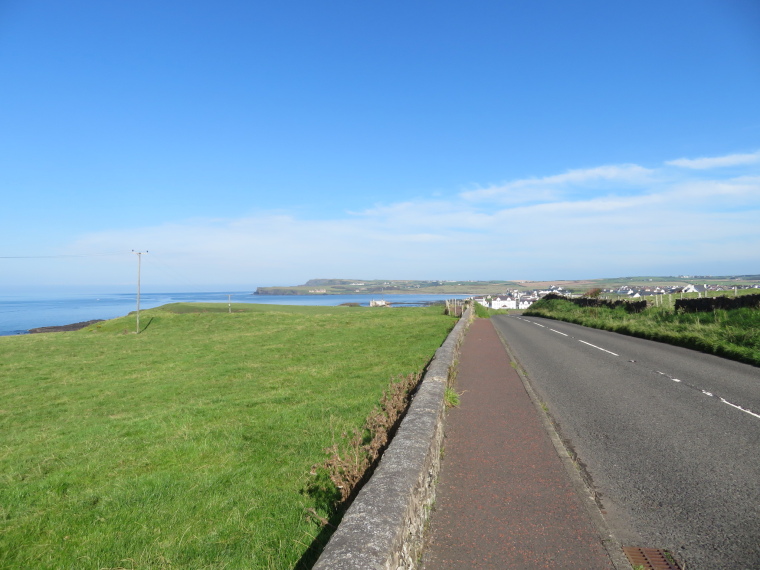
(731, 333)
(188, 445)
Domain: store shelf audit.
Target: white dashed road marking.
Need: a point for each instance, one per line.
(599, 347)
(705, 392)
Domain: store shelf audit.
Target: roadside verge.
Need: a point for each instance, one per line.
(383, 528)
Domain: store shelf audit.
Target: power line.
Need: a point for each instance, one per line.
(58, 256)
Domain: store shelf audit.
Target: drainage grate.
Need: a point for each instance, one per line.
(650, 558)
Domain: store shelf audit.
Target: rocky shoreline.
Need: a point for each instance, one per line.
(64, 328)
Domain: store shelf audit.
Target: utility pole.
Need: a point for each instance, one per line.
(139, 262)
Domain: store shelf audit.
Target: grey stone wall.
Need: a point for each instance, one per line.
(383, 528)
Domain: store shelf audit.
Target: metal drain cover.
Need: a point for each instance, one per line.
(650, 558)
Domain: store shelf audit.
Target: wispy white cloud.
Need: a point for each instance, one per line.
(606, 221)
(740, 190)
(716, 161)
(552, 187)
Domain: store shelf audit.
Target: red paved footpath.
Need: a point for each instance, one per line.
(504, 499)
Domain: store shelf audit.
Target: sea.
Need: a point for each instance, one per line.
(21, 312)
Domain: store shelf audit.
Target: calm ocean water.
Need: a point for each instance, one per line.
(19, 313)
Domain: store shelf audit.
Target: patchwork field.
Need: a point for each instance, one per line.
(190, 444)
(391, 287)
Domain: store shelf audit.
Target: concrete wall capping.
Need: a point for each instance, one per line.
(383, 528)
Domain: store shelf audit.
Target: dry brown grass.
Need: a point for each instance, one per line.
(351, 459)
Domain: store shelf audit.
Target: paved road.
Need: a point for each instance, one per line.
(670, 438)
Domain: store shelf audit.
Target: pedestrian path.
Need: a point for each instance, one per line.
(504, 499)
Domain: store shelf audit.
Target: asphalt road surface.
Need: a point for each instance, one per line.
(668, 438)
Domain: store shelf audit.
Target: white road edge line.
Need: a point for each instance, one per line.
(740, 408)
(563, 334)
(599, 347)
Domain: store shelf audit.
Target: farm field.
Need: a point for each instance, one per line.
(732, 333)
(390, 287)
(190, 444)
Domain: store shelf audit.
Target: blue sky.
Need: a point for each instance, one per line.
(251, 143)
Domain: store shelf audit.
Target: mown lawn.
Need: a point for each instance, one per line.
(188, 445)
(733, 334)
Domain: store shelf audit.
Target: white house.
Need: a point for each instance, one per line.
(525, 302)
(694, 289)
(503, 303)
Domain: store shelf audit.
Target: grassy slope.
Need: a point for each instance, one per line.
(187, 446)
(485, 313)
(732, 334)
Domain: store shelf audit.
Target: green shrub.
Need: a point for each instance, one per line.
(482, 312)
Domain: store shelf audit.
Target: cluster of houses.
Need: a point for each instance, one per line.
(638, 292)
(522, 300)
(515, 299)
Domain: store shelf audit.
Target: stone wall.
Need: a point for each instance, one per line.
(383, 528)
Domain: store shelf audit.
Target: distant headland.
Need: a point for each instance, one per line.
(407, 287)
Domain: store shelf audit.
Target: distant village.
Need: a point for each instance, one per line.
(515, 299)
(638, 292)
